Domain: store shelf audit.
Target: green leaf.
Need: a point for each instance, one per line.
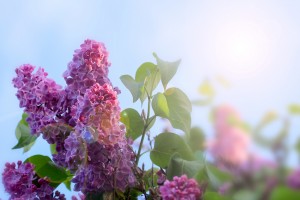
(266, 120)
(180, 109)
(178, 166)
(216, 176)
(148, 74)
(24, 136)
(297, 146)
(28, 147)
(167, 69)
(53, 149)
(134, 87)
(202, 102)
(160, 105)
(44, 167)
(294, 109)
(166, 144)
(246, 195)
(67, 183)
(197, 139)
(144, 70)
(214, 196)
(284, 193)
(174, 105)
(150, 178)
(133, 122)
(206, 89)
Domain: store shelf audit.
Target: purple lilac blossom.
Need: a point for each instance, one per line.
(19, 183)
(99, 115)
(41, 97)
(180, 188)
(107, 167)
(75, 152)
(57, 134)
(89, 66)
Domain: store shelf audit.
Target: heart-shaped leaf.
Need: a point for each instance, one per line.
(178, 166)
(134, 87)
(167, 69)
(166, 144)
(174, 106)
(24, 136)
(133, 122)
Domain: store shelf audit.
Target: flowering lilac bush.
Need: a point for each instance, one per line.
(97, 147)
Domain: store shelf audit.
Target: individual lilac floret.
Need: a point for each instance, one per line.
(19, 183)
(41, 97)
(293, 180)
(180, 188)
(98, 115)
(107, 167)
(89, 66)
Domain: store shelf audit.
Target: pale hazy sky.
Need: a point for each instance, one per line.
(253, 44)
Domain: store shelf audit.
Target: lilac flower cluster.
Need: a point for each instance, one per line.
(108, 167)
(41, 97)
(180, 188)
(82, 120)
(23, 184)
(89, 66)
(99, 113)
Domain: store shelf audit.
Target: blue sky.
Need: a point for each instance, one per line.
(253, 44)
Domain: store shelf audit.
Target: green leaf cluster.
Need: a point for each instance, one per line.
(172, 104)
(23, 133)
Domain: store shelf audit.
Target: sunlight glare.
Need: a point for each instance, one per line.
(241, 49)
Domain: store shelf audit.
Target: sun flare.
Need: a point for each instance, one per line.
(241, 49)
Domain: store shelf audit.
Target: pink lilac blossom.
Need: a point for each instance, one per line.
(231, 142)
(41, 97)
(98, 115)
(89, 66)
(107, 167)
(223, 116)
(180, 188)
(293, 180)
(19, 183)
